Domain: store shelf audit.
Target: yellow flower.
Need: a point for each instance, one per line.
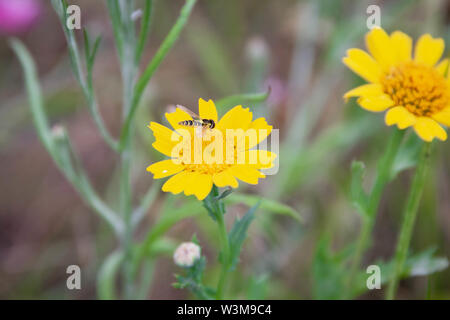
(414, 91)
(197, 178)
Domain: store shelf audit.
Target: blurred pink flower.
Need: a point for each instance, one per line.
(16, 16)
(278, 92)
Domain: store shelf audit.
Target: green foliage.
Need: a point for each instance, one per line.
(330, 270)
(213, 59)
(420, 264)
(307, 143)
(192, 280)
(90, 52)
(271, 206)
(241, 99)
(358, 196)
(106, 289)
(59, 146)
(408, 155)
(145, 29)
(258, 287)
(237, 235)
(142, 82)
(85, 81)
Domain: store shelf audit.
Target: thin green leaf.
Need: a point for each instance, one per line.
(163, 50)
(87, 45)
(358, 196)
(407, 156)
(116, 22)
(59, 153)
(265, 204)
(237, 235)
(106, 288)
(60, 6)
(94, 52)
(34, 94)
(192, 280)
(145, 29)
(329, 270)
(225, 194)
(242, 99)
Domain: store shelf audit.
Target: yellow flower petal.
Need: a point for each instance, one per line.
(164, 168)
(246, 173)
(190, 184)
(207, 109)
(443, 116)
(224, 179)
(176, 117)
(402, 45)
(376, 103)
(428, 50)
(371, 89)
(236, 118)
(363, 64)
(164, 147)
(203, 186)
(260, 159)
(379, 45)
(176, 183)
(262, 130)
(165, 138)
(442, 67)
(400, 116)
(160, 131)
(428, 129)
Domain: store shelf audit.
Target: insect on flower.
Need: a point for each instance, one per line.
(201, 124)
(414, 92)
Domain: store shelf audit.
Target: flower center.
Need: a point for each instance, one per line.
(206, 168)
(418, 88)
(202, 158)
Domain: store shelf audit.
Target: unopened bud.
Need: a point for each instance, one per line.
(58, 131)
(136, 15)
(257, 49)
(186, 254)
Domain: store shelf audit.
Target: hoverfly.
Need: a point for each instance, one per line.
(200, 125)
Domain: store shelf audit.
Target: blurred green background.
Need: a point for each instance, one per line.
(228, 47)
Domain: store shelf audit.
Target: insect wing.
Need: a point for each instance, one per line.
(189, 112)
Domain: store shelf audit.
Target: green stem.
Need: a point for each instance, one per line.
(129, 70)
(125, 195)
(145, 29)
(409, 218)
(382, 178)
(216, 209)
(225, 246)
(116, 22)
(60, 148)
(85, 81)
(167, 44)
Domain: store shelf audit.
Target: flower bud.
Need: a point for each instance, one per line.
(186, 254)
(257, 49)
(58, 131)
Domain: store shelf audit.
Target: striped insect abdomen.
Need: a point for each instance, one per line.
(191, 123)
